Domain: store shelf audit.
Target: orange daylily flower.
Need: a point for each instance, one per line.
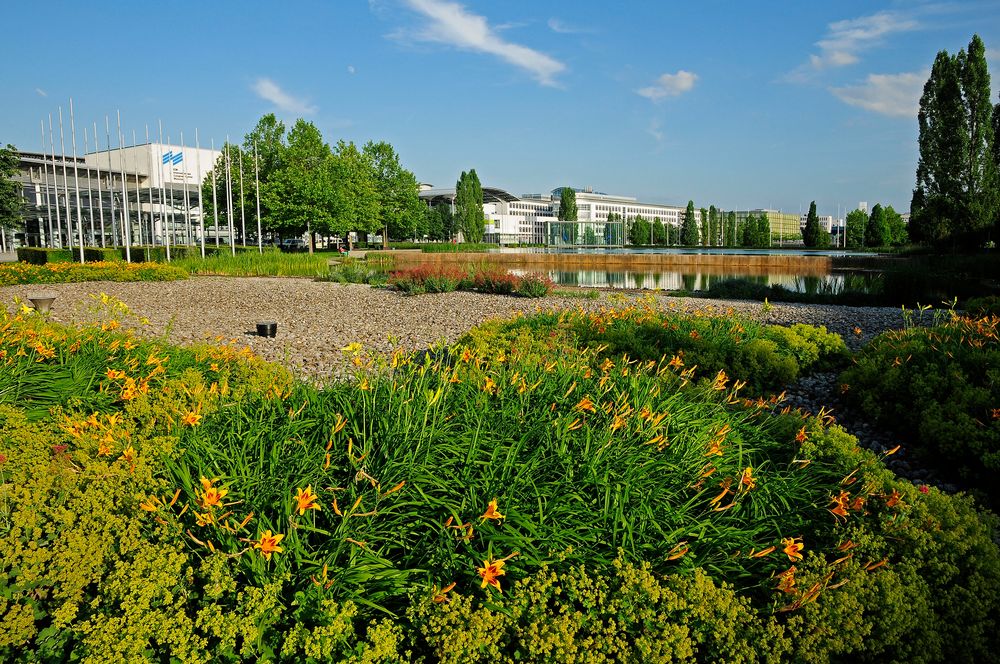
(585, 404)
(191, 419)
(442, 595)
(841, 504)
(491, 512)
(893, 499)
(268, 543)
(786, 580)
(491, 571)
(211, 496)
(675, 362)
(747, 480)
(129, 454)
(793, 548)
(306, 500)
(801, 436)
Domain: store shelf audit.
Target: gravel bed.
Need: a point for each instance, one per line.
(317, 319)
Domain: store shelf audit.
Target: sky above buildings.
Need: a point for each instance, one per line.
(733, 104)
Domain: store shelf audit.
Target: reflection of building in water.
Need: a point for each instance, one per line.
(672, 280)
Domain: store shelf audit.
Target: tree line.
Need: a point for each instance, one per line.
(309, 186)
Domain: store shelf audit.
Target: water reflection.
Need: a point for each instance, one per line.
(838, 282)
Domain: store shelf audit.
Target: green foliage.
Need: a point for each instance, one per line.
(11, 202)
(41, 255)
(399, 207)
(102, 254)
(646, 507)
(351, 271)
(877, 232)
(534, 285)
(857, 222)
(983, 306)
(269, 263)
(567, 204)
(938, 387)
(689, 229)
(429, 278)
(955, 200)
(469, 206)
(56, 273)
(639, 231)
(812, 233)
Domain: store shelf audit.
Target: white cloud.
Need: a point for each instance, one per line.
(450, 23)
(669, 85)
(563, 28)
(844, 40)
(41, 93)
(655, 130)
(351, 70)
(895, 95)
(268, 90)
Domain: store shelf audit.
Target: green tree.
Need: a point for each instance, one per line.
(703, 225)
(11, 201)
(811, 232)
(897, 229)
(714, 227)
(659, 232)
(731, 238)
(955, 199)
(399, 204)
(469, 206)
(568, 213)
(689, 230)
(639, 231)
(356, 200)
(857, 222)
(300, 194)
(613, 233)
(877, 229)
(589, 236)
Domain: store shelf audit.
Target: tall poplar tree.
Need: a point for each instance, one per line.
(810, 234)
(568, 212)
(469, 206)
(689, 231)
(955, 199)
(877, 232)
(11, 202)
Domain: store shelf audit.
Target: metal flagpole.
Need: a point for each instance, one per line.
(138, 201)
(163, 192)
(111, 180)
(256, 175)
(57, 237)
(201, 206)
(187, 202)
(100, 193)
(215, 201)
(69, 220)
(90, 190)
(243, 209)
(45, 168)
(126, 218)
(229, 198)
(76, 182)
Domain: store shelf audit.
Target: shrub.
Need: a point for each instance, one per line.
(938, 387)
(495, 279)
(54, 273)
(979, 307)
(352, 271)
(534, 285)
(101, 254)
(428, 278)
(41, 256)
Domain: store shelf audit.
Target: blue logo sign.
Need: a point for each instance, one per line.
(168, 156)
(178, 158)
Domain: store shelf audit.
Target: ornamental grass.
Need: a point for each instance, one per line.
(271, 263)
(490, 503)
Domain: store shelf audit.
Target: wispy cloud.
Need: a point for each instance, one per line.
(351, 70)
(846, 40)
(655, 129)
(669, 85)
(41, 93)
(451, 23)
(563, 28)
(268, 90)
(895, 95)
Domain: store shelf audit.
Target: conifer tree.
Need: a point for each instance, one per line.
(810, 234)
(689, 231)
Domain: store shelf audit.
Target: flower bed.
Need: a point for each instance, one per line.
(55, 273)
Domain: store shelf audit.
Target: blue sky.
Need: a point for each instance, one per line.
(732, 104)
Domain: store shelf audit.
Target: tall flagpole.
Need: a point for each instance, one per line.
(57, 237)
(76, 182)
(215, 201)
(187, 203)
(90, 190)
(201, 206)
(256, 176)
(111, 180)
(45, 168)
(138, 201)
(152, 188)
(69, 214)
(243, 208)
(100, 193)
(229, 197)
(173, 208)
(163, 194)
(126, 219)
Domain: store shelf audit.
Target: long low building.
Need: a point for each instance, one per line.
(534, 218)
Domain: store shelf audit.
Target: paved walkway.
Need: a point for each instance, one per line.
(9, 257)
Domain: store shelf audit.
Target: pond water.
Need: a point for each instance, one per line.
(688, 279)
(697, 251)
